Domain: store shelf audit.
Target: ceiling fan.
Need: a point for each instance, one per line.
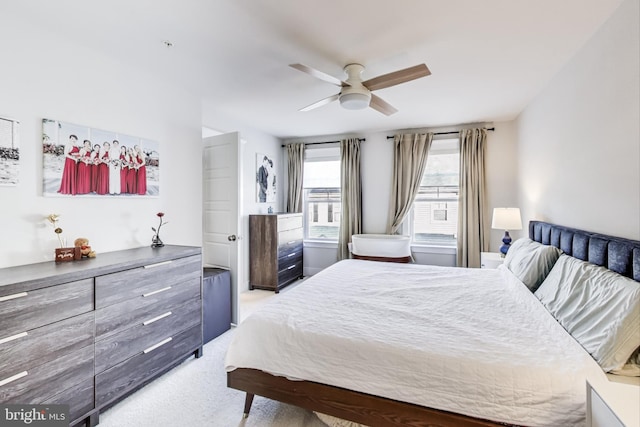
(355, 94)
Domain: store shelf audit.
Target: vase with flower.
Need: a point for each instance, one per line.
(62, 254)
(156, 242)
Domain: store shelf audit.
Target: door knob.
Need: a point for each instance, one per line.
(232, 238)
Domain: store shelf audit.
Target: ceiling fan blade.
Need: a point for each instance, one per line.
(318, 74)
(381, 105)
(397, 77)
(320, 103)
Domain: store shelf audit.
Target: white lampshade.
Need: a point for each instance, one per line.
(506, 219)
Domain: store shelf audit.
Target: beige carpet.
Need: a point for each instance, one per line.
(195, 393)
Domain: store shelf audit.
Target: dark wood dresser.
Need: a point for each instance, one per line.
(275, 250)
(88, 333)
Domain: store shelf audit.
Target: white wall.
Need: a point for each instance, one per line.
(579, 140)
(46, 76)
(253, 141)
(377, 168)
(501, 177)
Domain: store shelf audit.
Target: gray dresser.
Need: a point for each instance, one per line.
(90, 332)
(275, 250)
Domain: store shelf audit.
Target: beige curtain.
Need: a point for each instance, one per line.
(295, 169)
(350, 195)
(472, 222)
(410, 160)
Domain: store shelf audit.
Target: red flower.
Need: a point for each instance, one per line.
(160, 214)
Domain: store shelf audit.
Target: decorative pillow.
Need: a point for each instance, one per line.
(531, 261)
(599, 308)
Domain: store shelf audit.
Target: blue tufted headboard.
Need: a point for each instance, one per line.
(615, 253)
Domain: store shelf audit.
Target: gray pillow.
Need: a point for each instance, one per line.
(599, 308)
(531, 261)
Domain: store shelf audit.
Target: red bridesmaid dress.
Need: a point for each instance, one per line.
(94, 174)
(69, 173)
(83, 180)
(103, 175)
(131, 180)
(123, 173)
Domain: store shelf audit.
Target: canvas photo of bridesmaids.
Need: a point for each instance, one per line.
(80, 161)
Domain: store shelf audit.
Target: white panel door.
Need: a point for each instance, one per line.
(221, 244)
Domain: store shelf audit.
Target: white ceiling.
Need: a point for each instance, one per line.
(488, 58)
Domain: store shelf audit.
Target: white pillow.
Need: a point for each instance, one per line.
(531, 261)
(599, 308)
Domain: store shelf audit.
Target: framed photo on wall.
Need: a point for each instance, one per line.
(9, 152)
(265, 179)
(82, 161)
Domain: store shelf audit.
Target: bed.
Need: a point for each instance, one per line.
(386, 344)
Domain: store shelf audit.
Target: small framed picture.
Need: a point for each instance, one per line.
(265, 179)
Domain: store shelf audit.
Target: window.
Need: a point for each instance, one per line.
(435, 211)
(322, 194)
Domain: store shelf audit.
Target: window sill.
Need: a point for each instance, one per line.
(320, 244)
(433, 249)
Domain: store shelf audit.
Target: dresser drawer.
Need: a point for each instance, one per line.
(293, 257)
(29, 310)
(134, 340)
(118, 287)
(289, 237)
(79, 398)
(287, 249)
(44, 381)
(127, 375)
(20, 352)
(289, 222)
(116, 318)
(290, 273)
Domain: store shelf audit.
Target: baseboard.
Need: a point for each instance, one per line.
(310, 271)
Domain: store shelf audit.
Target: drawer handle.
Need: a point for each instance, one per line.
(291, 266)
(155, 319)
(153, 347)
(148, 294)
(158, 264)
(14, 296)
(13, 378)
(291, 254)
(13, 337)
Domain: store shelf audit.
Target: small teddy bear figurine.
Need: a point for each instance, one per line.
(85, 249)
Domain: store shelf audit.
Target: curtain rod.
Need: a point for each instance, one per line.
(326, 142)
(445, 133)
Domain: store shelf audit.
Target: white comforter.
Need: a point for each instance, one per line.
(471, 341)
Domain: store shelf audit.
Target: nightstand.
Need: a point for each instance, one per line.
(613, 402)
(491, 259)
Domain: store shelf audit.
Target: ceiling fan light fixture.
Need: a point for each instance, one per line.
(355, 100)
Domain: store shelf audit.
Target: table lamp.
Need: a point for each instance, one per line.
(506, 219)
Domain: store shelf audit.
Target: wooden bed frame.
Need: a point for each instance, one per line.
(402, 259)
(367, 409)
(617, 254)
